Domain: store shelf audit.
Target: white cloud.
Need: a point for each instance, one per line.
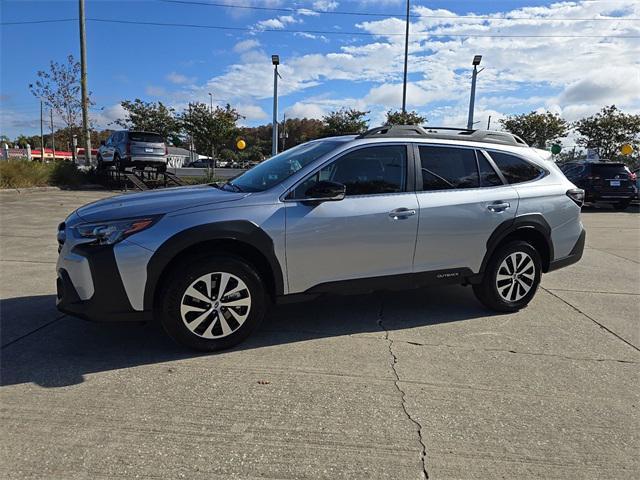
(178, 78)
(553, 71)
(245, 45)
(251, 112)
(325, 5)
(276, 23)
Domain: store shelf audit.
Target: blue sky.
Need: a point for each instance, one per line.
(552, 68)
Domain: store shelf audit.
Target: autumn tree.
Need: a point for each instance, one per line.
(399, 117)
(537, 129)
(345, 121)
(607, 131)
(59, 89)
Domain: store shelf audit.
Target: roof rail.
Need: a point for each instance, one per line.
(445, 133)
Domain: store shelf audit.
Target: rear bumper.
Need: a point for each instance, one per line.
(574, 256)
(146, 160)
(608, 196)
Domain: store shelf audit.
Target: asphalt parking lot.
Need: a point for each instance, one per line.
(387, 385)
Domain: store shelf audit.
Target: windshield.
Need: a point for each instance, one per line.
(273, 171)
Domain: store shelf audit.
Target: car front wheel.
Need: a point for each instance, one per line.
(212, 303)
(511, 278)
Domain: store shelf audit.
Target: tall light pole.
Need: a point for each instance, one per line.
(275, 59)
(83, 86)
(472, 100)
(53, 137)
(211, 101)
(406, 60)
(41, 134)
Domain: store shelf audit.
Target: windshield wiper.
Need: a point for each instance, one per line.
(233, 186)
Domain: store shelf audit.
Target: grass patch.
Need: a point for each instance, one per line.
(24, 174)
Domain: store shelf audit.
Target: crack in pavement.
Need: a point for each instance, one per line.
(21, 337)
(591, 318)
(394, 361)
(538, 354)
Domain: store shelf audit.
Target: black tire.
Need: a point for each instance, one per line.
(174, 292)
(622, 205)
(488, 291)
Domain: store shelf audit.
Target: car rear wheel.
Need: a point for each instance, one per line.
(212, 303)
(511, 278)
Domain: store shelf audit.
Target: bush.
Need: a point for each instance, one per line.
(23, 174)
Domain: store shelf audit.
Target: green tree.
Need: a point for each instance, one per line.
(59, 89)
(209, 129)
(398, 117)
(345, 121)
(537, 129)
(300, 130)
(150, 117)
(607, 131)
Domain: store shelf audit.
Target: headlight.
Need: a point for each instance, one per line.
(108, 233)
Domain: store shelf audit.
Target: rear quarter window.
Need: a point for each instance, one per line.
(515, 169)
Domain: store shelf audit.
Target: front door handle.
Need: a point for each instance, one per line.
(498, 207)
(399, 213)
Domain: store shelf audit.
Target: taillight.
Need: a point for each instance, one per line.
(128, 149)
(577, 195)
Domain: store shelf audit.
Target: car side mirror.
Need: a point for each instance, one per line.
(325, 191)
(103, 143)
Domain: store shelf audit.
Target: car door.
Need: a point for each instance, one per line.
(370, 233)
(462, 198)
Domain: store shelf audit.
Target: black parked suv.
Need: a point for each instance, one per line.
(602, 182)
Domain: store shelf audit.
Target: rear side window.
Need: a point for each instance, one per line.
(145, 137)
(515, 169)
(446, 168)
(488, 176)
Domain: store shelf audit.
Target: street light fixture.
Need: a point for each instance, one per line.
(472, 99)
(275, 59)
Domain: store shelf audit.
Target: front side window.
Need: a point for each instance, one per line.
(515, 169)
(445, 168)
(366, 171)
(280, 167)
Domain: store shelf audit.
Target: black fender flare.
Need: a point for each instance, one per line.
(241, 231)
(533, 221)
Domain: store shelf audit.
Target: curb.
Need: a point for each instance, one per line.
(88, 187)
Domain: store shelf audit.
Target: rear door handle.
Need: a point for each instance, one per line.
(498, 207)
(399, 213)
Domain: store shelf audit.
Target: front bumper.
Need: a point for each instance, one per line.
(574, 256)
(108, 301)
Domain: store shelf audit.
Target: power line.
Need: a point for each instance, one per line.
(28, 22)
(357, 33)
(325, 32)
(302, 10)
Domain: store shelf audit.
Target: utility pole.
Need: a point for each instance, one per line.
(489, 123)
(41, 134)
(275, 59)
(53, 137)
(83, 86)
(211, 101)
(406, 60)
(472, 99)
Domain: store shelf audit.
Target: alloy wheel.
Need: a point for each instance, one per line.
(215, 305)
(515, 277)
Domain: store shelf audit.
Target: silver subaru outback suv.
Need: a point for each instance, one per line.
(394, 208)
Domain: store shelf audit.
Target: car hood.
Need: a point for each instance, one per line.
(155, 202)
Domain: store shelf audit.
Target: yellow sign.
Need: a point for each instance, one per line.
(241, 144)
(626, 149)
